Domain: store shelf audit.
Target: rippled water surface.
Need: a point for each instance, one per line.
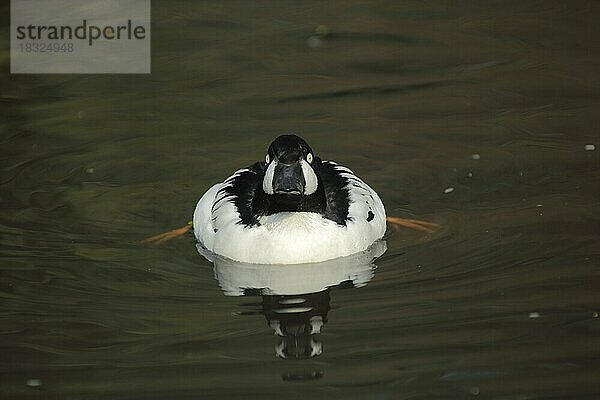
(475, 116)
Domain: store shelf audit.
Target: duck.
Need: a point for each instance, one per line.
(290, 208)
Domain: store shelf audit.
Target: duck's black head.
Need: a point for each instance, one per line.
(290, 171)
(291, 179)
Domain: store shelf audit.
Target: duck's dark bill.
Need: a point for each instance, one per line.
(288, 179)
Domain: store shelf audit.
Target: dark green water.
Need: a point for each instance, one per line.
(500, 303)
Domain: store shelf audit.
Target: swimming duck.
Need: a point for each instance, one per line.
(291, 208)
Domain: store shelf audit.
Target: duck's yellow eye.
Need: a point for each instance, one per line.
(267, 159)
(309, 157)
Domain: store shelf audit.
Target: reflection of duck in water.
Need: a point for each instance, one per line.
(297, 320)
(295, 298)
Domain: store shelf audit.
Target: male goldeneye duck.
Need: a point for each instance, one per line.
(290, 208)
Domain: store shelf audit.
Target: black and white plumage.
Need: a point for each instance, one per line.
(292, 208)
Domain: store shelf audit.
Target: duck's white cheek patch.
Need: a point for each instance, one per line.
(268, 179)
(310, 178)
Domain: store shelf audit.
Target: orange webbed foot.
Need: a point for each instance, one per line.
(422, 226)
(164, 237)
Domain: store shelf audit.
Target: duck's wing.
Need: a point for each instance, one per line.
(349, 199)
(238, 195)
(229, 202)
